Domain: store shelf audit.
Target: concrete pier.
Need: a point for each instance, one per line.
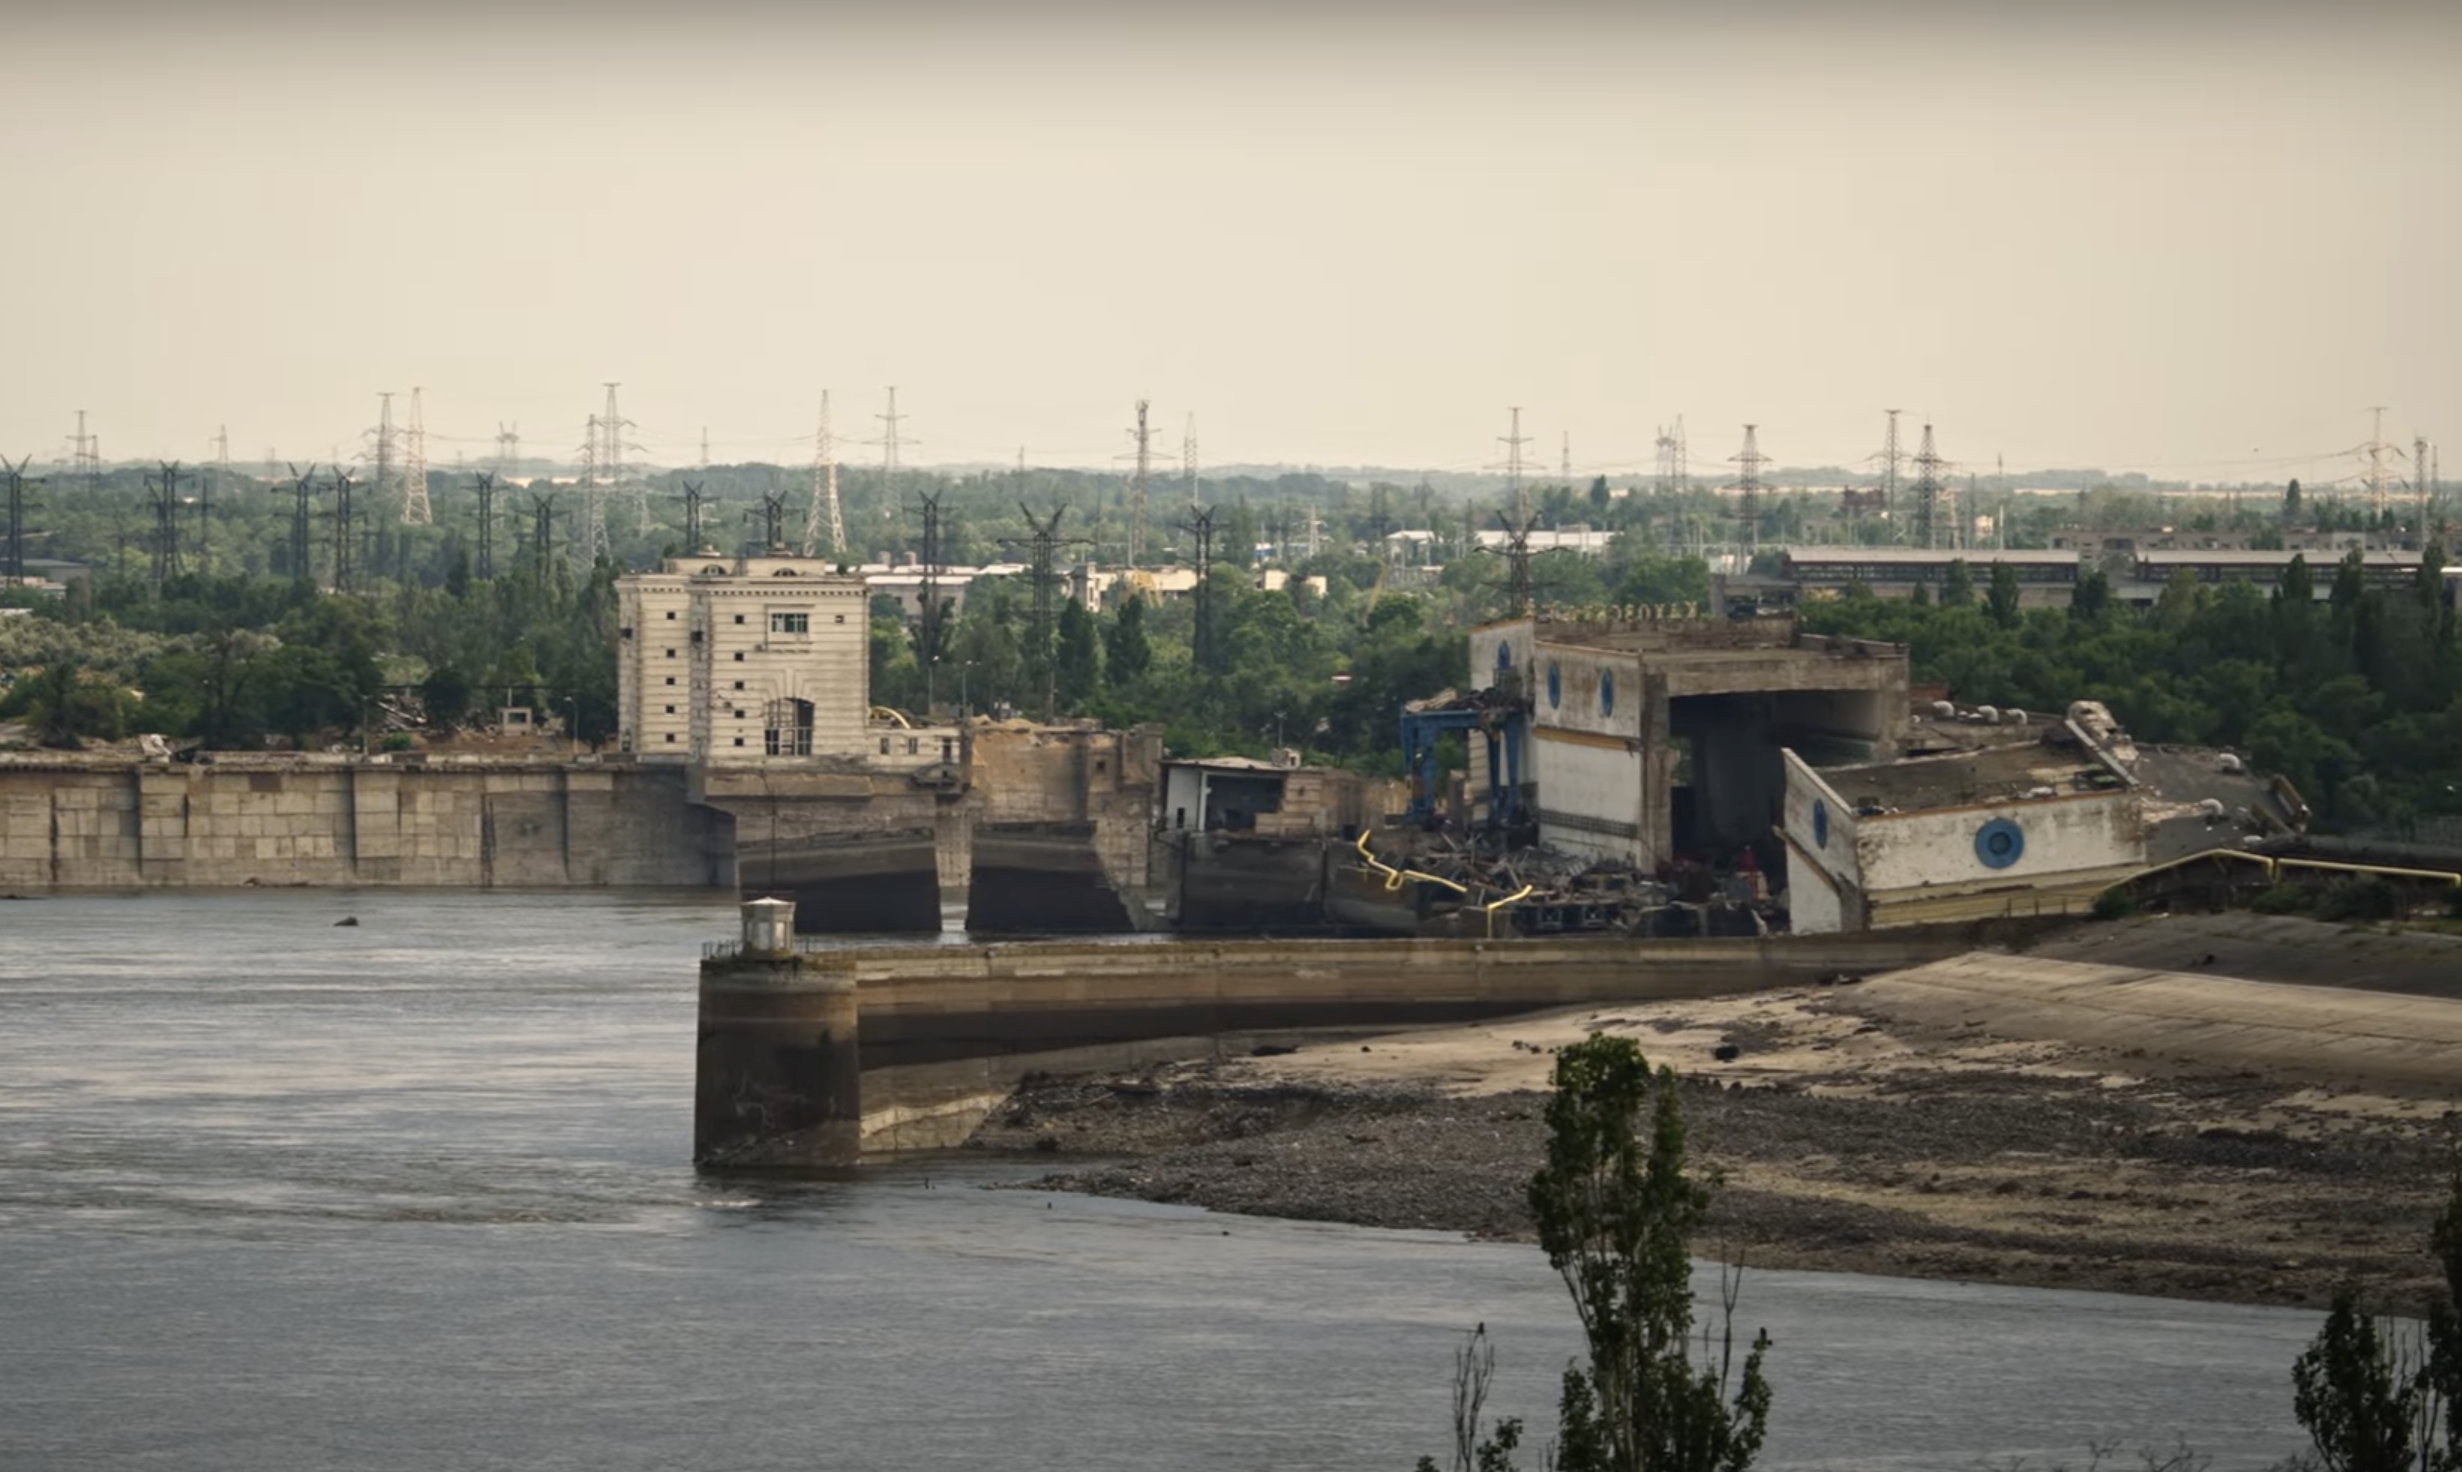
(777, 1081)
(948, 1030)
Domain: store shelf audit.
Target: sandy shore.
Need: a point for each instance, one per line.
(2137, 1133)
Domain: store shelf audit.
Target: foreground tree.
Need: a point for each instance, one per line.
(2375, 1396)
(1616, 1210)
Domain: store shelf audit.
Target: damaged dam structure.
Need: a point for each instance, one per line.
(814, 1057)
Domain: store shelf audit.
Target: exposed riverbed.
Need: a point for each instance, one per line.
(1849, 1137)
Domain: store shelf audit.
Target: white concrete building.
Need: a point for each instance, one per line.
(2004, 829)
(1655, 739)
(743, 661)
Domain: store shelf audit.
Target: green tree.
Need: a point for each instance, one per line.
(1616, 1209)
(2091, 598)
(2002, 599)
(2356, 1395)
(64, 708)
(446, 693)
(1130, 653)
(1957, 585)
(1079, 665)
(2374, 1400)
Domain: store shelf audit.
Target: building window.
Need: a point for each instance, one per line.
(739, 684)
(670, 654)
(792, 623)
(1555, 686)
(671, 738)
(671, 615)
(1607, 692)
(670, 679)
(912, 745)
(671, 710)
(739, 740)
(884, 746)
(739, 618)
(739, 655)
(842, 618)
(789, 728)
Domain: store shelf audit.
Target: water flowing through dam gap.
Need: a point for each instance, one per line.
(280, 1194)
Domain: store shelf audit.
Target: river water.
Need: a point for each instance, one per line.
(276, 1194)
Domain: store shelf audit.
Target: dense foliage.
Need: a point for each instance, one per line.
(2356, 697)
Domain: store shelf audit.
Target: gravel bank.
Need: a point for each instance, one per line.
(1846, 1141)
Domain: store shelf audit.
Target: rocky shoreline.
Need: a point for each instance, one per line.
(1846, 1139)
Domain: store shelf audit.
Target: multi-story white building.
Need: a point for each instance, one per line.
(742, 661)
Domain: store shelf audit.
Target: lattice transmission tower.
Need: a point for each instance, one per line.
(1748, 463)
(1927, 493)
(15, 547)
(385, 452)
(415, 509)
(1188, 459)
(1513, 466)
(824, 513)
(1143, 466)
(892, 440)
(2375, 451)
(86, 457)
(1891, 457)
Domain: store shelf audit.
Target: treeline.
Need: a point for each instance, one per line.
(2354, 696)
(238, 661)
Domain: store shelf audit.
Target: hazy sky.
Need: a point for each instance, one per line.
(2197, 239)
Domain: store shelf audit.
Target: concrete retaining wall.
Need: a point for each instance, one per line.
(946, 1030)
(71, 825)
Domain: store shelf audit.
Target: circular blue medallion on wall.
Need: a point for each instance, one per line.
(1555, 686)
(1999, 843)
(1820, 823)
(1607, 692)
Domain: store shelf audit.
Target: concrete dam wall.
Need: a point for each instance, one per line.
(941, 1033)
(73, 825)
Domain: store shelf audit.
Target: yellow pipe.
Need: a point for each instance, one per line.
(1394, 876)
(2450, 879)
(1491, 908)
(2260, 860)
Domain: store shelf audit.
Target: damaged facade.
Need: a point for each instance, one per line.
(1654, 740)
(2002, 812)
